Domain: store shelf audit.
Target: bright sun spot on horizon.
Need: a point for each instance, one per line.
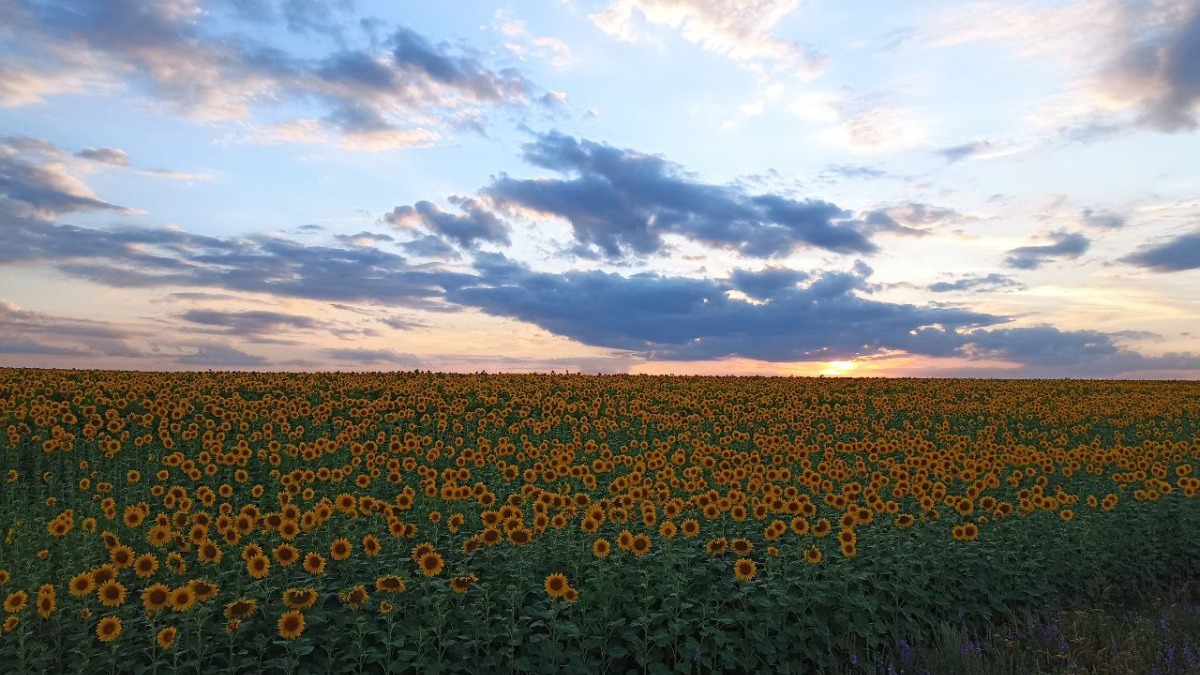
(838, 367)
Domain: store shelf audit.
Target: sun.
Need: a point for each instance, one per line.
(838, 367)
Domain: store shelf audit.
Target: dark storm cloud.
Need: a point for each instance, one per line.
(1066, 245)
(177, 53)
(1164, 72)
(36, 349)
(767, 283)
(1173, 255)
(622, 202)
(475, 225)
(977, 284)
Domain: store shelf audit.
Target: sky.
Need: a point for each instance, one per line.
(775, 187)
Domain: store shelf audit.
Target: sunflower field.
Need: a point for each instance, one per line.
(420, 522)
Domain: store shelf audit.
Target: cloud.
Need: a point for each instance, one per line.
(254, 322)
(1106, 220)
(1160, 73)
(28, 332)
(34, 177)
(475, 225)
(1172, 255)
(521, 42)
(372, 357)
(219, 355)
(977, 284)
(621, 202)
(679, 318)
(737, 29)
(139, 257)
(854, 171)
(1066, 245)
(105, 156)
(431, 246)
(911, 219)
(399, 91)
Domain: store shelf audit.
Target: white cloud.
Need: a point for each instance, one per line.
(738, 29)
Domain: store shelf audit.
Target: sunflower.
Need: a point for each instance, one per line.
(813, 555)
(145, 565)
(5, 576)
(183, 598)
(176, 563)
(601, 548)
(258, 567)
(314, 564)
(822, 528)
(520, 536)
(204, 591)
(299, 598)
(970, 532)
(744, 569)
(122, 556)
(667, 529)
(166, 637)
(108, 629)
(104, 574)
(242, 608)
(905, 521)
(461, 584)
(556, 585)
(45, 601)
(624, 540)
(571, 595)
(431, 564)
(390, 583)
(286, 555)
(112, 594)
(370, 545)
(340, 549)
(717, 546)
(799, 526)
(355, 597)
(690, 528)
(640, 545)
(421, 550)
(208, 551)
(11, 623)
(251, 550)
(1067, 515)
(156, 597)
(81, 584)
(291, 625)
(741, 547)
(491, 536)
